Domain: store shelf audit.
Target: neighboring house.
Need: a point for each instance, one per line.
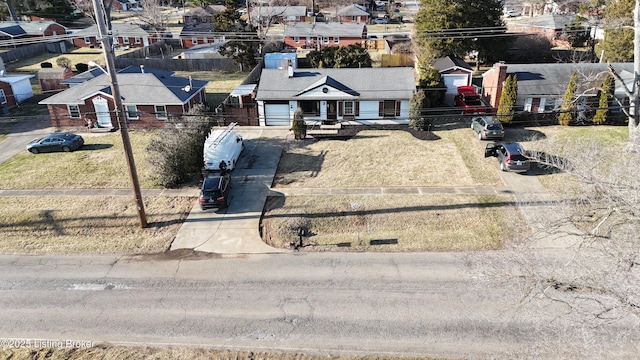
(320, 35)
(124, 5)
(267, 15)
(16, 30)
(551, 26)
(354, 96)
(353, 13)
(14, 89)
(454, 72)
(204, 51)
(541, 87)
(199, 34)
(200, 15)
(125, 34)
(51, 78)
(537, 8)
(149, 97)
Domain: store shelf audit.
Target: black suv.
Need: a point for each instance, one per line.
(215, 191)
(511, 156)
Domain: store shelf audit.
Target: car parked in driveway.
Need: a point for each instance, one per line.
(215, 191)
(56, 142)
(380, 20)
(512, 156)
(487, 128)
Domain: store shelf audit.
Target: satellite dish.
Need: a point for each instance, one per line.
(187, 88)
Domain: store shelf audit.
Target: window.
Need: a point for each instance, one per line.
(205, 40)
(296, 39)
(310, 108)
(348, 108)
(161, 112)
(326, 40)
(308, 39)
(74, 111)
(336, 39)
(390, 108)
(194, 40)
(125, 40)
(3, 97)
(137, 40)
(527, 104)
(132, 112)
(87, 40)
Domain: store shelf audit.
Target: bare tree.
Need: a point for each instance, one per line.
(582, 261)
(153, 16)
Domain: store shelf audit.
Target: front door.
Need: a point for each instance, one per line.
(103, 115)
(332, 110)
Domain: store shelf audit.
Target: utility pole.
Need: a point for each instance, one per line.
(105, 38)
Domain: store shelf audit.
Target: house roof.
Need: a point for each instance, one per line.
(12, 79)
(351, 10)
(83, 77)
(555, 21)
(283, 11)
(325, 29)
(19, 28)
(135, 87)
(392, 82)
(199, 11)
(451, 63)
(53, 73)
(197, 30)
(119, 29)
(552, 79)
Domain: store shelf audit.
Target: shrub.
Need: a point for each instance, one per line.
(81, 67)
(46, 65)
(298, 126)
(63, 62)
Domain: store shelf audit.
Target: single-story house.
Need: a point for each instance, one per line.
(541, 87)
(14, 89)
(199, 15)
(124, 5)
(319, 35)
(51, 78)
(15, 30)
(353, 13)
(125, 34)
(92, 101)
(199, 34)
(550, 26)
(353, 96)
(278, 14)
(454, 72)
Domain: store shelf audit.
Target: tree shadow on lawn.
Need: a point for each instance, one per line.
(350, 131)
(309, 164)
(89, 147)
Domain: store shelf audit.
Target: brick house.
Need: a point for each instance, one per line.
(550, 26)
(266, 15)
(13, 30)
(320, 35)
(92, 100)
(14, 89)
(125, 34)
(352, 14)
(51, 78)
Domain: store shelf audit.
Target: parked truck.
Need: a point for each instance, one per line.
(469, 101)
(222, 149)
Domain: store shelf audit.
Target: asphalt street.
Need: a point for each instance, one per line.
(408, 304)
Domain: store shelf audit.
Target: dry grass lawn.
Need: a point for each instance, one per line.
(434, 222)
(79, 55)
(89, 224)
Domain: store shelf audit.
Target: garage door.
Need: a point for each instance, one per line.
(277, 114)
(452, 82)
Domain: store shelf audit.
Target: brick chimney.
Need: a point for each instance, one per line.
(492, 83)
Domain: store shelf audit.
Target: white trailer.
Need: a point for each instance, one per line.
(222, 149)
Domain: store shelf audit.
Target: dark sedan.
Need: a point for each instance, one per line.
(56, 142)
(215, 191)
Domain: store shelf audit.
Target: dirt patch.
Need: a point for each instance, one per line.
(350, 131)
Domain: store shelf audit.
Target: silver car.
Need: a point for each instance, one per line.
(511, 156)
(487, 127)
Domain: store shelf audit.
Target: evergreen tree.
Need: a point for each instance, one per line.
(244, 49)
(603, 105)
(417, 107)
(431, 82)
(568, 107)
(508, 99)
(617, 45)
(457, 27)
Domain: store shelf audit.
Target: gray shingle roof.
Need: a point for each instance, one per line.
(283, 11)
(351, 10)
(325, 29)
(450, 62)
(552, 79)
(18, 28)
(548, 21)
(119, 29)
(153, 87)
(363, 83)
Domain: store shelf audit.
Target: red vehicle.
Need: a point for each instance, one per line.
(469, 101)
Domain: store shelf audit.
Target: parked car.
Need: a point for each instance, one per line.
(215, 191)
(511, 156)
(487, 127)
(380, 20)
(56, 142)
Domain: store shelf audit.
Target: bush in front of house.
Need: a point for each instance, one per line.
(81, 67)
(46, 65)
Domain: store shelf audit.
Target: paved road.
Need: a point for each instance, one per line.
(385, 303)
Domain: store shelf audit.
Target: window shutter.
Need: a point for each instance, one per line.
(381, 108)
(340, 105)
(397, 108)
(357, 106)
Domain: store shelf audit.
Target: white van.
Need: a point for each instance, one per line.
(222, 149)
